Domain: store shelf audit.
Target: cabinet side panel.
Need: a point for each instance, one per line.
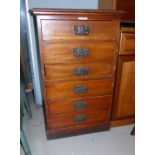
(124, 98)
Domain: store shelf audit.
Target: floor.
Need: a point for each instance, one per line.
(117, 141)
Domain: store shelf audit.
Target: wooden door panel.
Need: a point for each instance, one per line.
(124, 98)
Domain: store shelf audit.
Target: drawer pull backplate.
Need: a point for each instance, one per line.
(80, 89)
(81, 30)
(80, 118)
(80, 52)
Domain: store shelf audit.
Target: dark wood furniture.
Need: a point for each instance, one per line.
(128, 6)
(78, 51)
(124, 96)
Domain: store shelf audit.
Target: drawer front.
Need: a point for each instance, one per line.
(82, 71)
(62, 90)
(78, 51)
(77, 118)
(127, 45)
(79, 105)
(79, 30)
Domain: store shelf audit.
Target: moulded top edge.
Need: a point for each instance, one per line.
(49, 11)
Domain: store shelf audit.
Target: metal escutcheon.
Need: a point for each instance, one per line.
(81, 70)
(81, 30)
(80, 105)
(80, 52)
(80, 89)
(80, 117)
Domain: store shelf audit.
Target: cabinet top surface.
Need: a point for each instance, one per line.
(49, 11)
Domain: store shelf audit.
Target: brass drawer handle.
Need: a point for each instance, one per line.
(81, 70)
(80, 118)
(81, 30)
(80, 105)
(80, 52)
(80, 89)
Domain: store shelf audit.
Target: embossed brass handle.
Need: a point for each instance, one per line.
(81, 70)
(80, 117)
(80, 105)
(80, 89)
(80, 52)
(81, 30)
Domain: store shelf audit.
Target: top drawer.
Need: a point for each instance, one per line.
(53, 30)
(127, 44)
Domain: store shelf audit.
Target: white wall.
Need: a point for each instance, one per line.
(75, 4)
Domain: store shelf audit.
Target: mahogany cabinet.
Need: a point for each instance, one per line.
(78, 52)
(123, 110)
(128, 6)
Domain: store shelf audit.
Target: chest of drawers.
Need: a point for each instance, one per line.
(78, 52)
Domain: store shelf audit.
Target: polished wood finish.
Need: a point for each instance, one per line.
(127, 44)
(66, 72)
(121, 122)
(100, 50)
(123, 109)
(62, 90)
(68, 14)
(99, 30)
(124, 99)
(57, 40)
(92, 103)
(69, 119)
(129, 7)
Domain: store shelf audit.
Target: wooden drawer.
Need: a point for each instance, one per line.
(58, 30)
(63, 52)
(62, 90)
(80, 104)
(77, 118)
(81, 71)
(127, 44)
(78, 129)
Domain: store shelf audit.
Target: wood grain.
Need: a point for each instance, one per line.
(73, 14)
(68, 119)
(62, 90)
(129, 7)
(62, 52)
(57, 40)
(53, 30)
(124, 99)
(120, 122)
(127, 45)
(68, 105)
(66, 72)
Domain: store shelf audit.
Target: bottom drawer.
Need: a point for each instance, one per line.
(77, 118)
(77, 130)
